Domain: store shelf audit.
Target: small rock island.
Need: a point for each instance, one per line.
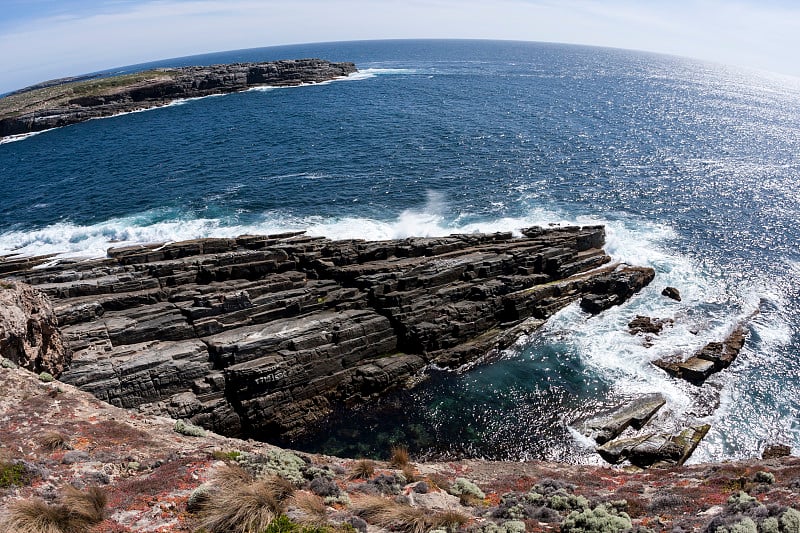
(64, 102)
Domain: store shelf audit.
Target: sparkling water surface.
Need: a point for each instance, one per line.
(694, 168)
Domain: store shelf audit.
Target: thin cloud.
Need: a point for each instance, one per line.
(51, 44)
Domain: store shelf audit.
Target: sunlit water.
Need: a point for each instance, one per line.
(693, 167)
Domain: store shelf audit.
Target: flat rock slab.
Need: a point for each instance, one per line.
(654, 449)
(635, 413)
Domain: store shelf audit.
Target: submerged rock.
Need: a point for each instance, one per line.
(635, 413)
(265, 334)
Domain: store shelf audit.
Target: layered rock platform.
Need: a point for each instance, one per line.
(49, 106)
(264, 334)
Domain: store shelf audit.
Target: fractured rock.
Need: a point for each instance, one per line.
(712, 358)
(266, 334)
(654, 449)
(635, 413)
(671, 292)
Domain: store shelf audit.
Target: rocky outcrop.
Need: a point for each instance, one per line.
(29, 334)
(712, 358)
(264, 334)
(37, 109)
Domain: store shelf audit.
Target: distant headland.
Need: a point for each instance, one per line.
(69, 101)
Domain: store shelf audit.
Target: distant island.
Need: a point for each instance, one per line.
(73, 100)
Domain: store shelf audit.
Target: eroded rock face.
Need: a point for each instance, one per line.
(634, 414)
(264, 334)
(177, 83)
(29, 334)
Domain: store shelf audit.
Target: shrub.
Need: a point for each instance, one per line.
(463, 486)
(742, 502)
(46, 377)
(765, 477)
(190, 430)
(399, 457)
(275, 462)
(387, 484)
(362, 469)
(745, 525)
(322, 486)
(790, 521)
(12, 474)
(601, 519)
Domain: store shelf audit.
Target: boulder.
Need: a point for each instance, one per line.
(671, 292)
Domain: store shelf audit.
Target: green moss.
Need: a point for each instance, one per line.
(46, 377)
(226, 456)
(12, 475)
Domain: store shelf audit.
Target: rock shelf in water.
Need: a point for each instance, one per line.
(47, 106)
(263, 335)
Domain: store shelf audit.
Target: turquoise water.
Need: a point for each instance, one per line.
(694, 167)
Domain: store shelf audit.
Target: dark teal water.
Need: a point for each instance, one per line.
(694, 167)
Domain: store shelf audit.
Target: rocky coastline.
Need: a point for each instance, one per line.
(46, 106)
(146, 356)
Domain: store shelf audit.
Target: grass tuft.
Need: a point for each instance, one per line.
(241, 504)
(313, 507)
(54, 441)
(362, 469)
(399, 457)
(77, 513)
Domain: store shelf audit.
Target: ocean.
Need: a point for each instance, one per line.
(693, 167)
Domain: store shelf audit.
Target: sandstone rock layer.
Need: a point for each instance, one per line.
(263, 334)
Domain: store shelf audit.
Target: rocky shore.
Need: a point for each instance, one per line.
(265, 334)
(50, 106)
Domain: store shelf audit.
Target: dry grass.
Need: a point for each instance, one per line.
(388, 514)
(410, 473)
(450, 520)
(77, 513)
(362, 469)
(241, 504)
(89, 506)
(54, 441)
(399, 456)
(313, 507)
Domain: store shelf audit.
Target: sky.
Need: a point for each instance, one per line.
(46, 39)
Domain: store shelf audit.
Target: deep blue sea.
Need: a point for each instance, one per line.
(694, 168)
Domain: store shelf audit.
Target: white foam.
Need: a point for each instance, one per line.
(22, 136)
